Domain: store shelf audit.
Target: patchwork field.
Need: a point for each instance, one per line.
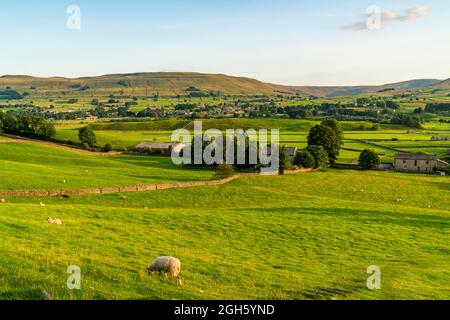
(308, 236)
(387, 141)
(305, 236)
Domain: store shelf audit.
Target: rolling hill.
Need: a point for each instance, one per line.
(176, 83)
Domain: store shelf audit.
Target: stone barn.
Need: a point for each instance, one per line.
(421, 163)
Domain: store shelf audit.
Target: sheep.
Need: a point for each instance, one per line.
(54, 221)
(2, 201)
(42, 204)
(165, 265)
(46, 295)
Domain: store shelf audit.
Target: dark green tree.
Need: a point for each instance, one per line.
(285, 160)
(8, 123)
(224, 171)
(336, 127)
(320, 156)
(108, 148)
(45, 129)
(87, 136)
(305, 159)
(369, 159)
(326, 137)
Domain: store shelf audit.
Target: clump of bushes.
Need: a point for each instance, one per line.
(305, 159)
(369, 159)
(108, 148)
(224, 171)
(87, 136)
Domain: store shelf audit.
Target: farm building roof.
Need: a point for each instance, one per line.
(410, 156)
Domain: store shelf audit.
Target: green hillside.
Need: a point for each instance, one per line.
(34, 167)
(176, 83)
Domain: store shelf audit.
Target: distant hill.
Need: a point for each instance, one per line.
(176, 83)
(444, 85)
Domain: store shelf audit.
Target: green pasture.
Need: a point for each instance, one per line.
(33, 167)
(309, 236)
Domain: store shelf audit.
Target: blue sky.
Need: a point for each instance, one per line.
(298, 42)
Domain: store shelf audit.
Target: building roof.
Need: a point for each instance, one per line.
(410, 156)
(292, 151)
(443, 163)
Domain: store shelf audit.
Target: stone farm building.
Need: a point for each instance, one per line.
(160, 148)
(418, 163)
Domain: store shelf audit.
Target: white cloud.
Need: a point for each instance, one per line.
(387, 16)
(415, 13)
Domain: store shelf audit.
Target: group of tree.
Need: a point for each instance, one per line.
(407, 120)
(26, 124)
(324, 144)
(9, 94)
(437, 107)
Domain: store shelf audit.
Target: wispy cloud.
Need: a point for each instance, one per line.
(389, 16)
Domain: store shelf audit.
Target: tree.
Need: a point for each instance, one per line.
(320, 156)
(305, 159)
(87, 136)
(45, 129)
(8, 122)
(326, 137)
(107, 148)
(285, 160)
(369, 159)
(336, 127)
(224, 171)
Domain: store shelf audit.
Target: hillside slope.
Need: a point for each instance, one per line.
(176, 83)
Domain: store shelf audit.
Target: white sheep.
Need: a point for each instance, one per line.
(54, 221)
(2, 201)
(165, 265)
(42, 204)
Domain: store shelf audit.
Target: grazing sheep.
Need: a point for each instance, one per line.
(46, 295)
(166, 265)
(2, 201)
(54, 221)
(42, 204)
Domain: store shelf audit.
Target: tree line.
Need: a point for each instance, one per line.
(26, 124)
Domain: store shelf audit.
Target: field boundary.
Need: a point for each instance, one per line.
(129, 189)
(19, 139)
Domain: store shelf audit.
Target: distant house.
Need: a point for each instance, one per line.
(440, 138)
(417, 163)
(161, 148)
(292, 152)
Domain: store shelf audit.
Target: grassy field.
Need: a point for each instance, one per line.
(34, 167)
(306, 236)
